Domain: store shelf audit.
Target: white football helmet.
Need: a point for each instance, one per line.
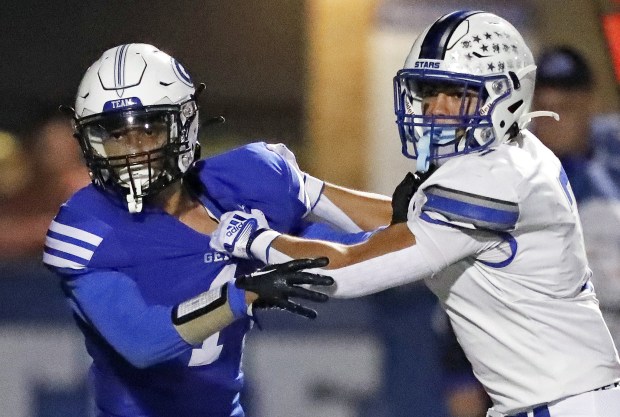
(464, 51)
(137, 87)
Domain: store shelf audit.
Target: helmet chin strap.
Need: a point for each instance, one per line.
(423, 151)
(134, 180)
(437, 136)
(134, 205)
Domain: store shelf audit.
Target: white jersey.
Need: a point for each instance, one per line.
(518, 296)
(499, 241)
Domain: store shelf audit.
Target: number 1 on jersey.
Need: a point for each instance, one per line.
(211, 349)
(208, 353)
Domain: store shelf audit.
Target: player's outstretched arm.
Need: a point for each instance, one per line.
(390, 257)
(367, 210)
(247, 235)
(347, 209)
(383, 242)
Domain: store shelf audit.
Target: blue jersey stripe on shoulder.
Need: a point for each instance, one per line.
(60, 264)
(75, 221)
(69, 248)
(483, 212)
(62, 259)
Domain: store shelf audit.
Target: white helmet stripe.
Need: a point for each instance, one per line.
(119, 66)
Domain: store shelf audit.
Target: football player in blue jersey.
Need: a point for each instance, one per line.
(164, 316)
(494, 231)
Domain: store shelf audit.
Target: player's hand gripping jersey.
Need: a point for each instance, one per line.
(123, 273)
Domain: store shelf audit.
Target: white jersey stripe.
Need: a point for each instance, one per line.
(68, 248)
(60, 262)
(75, 233)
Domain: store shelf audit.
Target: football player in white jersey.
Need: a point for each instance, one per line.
(494, 231)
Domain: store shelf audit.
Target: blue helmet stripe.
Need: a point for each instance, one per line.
(437, 37)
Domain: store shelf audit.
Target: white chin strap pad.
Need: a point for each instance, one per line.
(134, 205)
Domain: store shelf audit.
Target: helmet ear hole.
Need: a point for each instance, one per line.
(513, 130)
(515, 79)
(515, 106)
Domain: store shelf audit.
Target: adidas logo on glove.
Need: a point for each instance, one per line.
(236, 223)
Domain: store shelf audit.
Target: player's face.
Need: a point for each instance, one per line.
(448, 100)
(133, 144)
(136, 139)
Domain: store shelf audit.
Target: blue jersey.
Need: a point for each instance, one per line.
(123, 273)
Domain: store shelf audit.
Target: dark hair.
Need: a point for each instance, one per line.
(563, 67)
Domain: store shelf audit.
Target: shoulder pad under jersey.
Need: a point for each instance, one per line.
(253, 177)
(476, 189)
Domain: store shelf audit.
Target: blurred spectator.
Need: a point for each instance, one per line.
(588, 145)
(565, 85)
(37, 175)
(13, 176)
(59, 158)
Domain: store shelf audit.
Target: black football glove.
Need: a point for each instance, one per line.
(274, 284)
(404, 191)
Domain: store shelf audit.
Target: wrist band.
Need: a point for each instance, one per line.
(259, 244)
(236, 301)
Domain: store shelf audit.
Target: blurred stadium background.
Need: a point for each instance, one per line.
(313, 74)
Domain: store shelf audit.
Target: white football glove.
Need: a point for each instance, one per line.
(311, 188)
(236, 231)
